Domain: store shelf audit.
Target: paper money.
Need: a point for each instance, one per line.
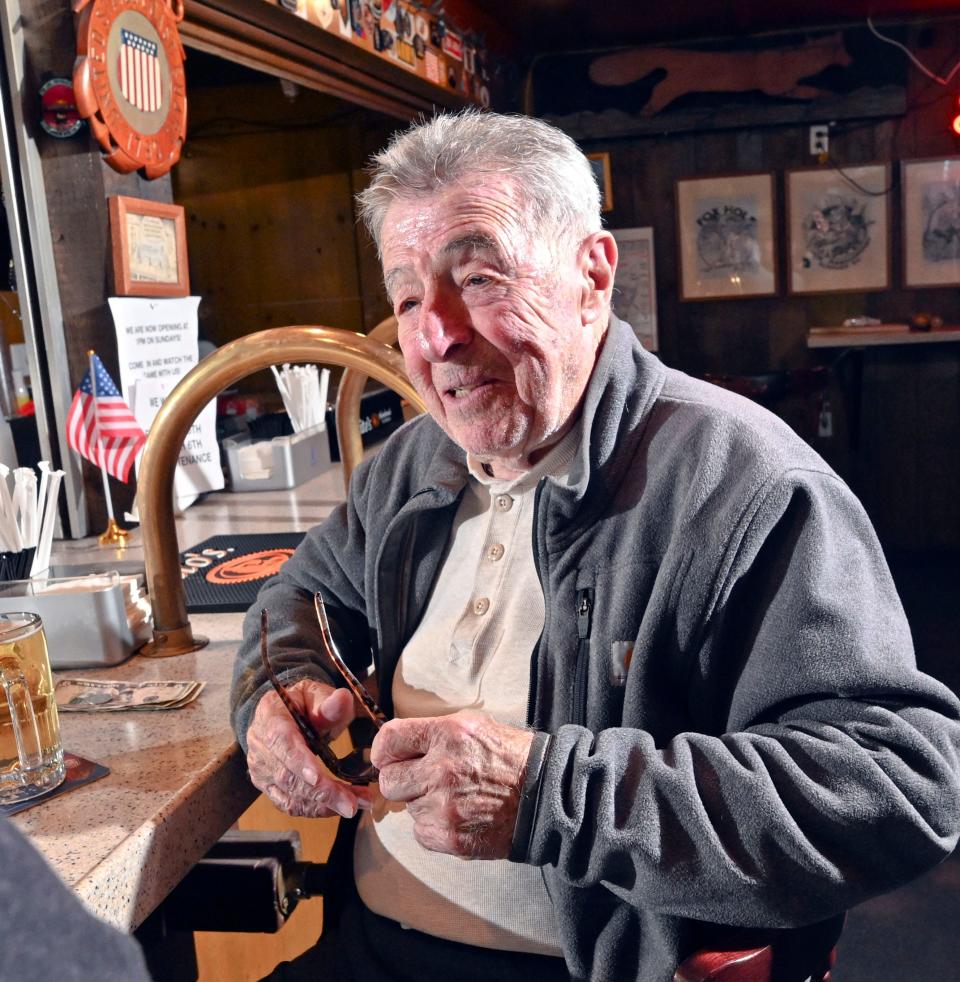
(97, 696)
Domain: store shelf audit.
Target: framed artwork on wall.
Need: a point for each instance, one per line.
(635, 286)
(931, 222)
(149, 243)
(838, 227)
(725, 236)
(600, 162)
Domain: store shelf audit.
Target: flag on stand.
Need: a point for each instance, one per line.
(106, 433)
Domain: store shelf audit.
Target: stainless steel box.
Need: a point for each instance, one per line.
(288, 460)
(86, 626)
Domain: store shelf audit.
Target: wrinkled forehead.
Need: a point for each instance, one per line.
(454, 250)
(486, 209)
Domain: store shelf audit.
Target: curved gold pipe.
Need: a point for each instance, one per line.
(349, 393)
(171, 627)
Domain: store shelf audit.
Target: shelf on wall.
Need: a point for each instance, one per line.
(878, 334)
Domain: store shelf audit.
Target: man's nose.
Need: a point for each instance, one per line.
(444, 326)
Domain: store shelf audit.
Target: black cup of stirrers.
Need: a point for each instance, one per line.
(16, 565)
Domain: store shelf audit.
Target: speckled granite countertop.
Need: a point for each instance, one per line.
(177, 778)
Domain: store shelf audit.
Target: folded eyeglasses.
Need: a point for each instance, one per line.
(355, 767)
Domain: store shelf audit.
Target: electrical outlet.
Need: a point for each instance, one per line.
(825, 422)
(819, 139)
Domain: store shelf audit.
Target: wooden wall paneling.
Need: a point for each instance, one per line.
(712, 153)
(787, 334)
(368, 134)
(648, 201)
(268, 183)
(911, 404)
(751, 152)
(249, 133)
(931, 104)
(670, 157)
(268, 212)
(365, 138)
(854, 145)
(373, 296)
(282, 255)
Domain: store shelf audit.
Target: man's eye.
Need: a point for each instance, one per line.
(405, 306)
(477, 280)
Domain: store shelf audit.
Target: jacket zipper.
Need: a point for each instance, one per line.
(578, 700)
(534, 664)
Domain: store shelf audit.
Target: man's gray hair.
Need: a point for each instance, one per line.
(558, 190)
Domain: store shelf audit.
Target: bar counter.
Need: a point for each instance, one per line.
(177, 778)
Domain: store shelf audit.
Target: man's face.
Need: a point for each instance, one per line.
(499, 336)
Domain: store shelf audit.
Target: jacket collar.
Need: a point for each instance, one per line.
(622, 390)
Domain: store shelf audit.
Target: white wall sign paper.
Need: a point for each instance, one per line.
(157, 346)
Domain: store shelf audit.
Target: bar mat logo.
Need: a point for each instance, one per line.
(249, 567)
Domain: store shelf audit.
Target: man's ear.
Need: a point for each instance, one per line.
(598, 263)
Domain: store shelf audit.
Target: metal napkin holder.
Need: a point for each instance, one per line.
(85, 627)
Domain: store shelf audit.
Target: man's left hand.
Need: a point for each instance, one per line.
(461, 777)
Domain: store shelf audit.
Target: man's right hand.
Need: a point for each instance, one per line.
(283, 767)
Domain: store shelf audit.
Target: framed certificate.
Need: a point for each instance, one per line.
(149, 241)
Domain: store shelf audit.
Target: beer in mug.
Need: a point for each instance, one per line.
(31, 754)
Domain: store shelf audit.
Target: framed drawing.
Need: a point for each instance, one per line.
(600, 162)
(149, 242)
(838, 225)
(725, 235)
(635, 286)
(931, 222)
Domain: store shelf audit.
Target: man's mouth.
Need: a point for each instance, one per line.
(462, 391)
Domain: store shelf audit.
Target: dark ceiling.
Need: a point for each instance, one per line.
(556, 25)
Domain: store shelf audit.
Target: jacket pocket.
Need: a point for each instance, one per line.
(612, 603)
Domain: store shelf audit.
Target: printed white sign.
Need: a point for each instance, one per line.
(157, 346)
(199, 468)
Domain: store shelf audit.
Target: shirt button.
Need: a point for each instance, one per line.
(495, 552)
(504, 502)
(481, 606)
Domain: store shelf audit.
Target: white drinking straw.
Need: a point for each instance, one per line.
(41, 558)
(25, 503)
(8, 524)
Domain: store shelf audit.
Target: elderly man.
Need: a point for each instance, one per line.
(646, 664)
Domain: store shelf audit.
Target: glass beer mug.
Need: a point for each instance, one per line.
(31, 754)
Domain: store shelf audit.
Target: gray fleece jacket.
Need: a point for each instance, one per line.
(731, 726)
(46, 934)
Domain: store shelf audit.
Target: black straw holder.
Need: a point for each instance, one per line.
(16, 565)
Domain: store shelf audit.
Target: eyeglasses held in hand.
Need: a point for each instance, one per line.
(355, 767)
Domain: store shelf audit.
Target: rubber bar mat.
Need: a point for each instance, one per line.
(223, 574)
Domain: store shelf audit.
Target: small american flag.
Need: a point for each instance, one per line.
(110, 430)
(139, 69)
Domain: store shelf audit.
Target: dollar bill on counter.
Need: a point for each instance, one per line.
(101, 696)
